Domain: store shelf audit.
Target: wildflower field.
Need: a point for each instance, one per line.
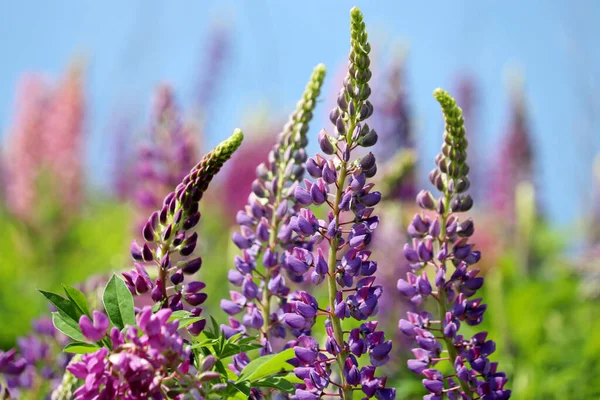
(336, 253)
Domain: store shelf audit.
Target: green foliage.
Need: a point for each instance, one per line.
(118, 303)
(95, 242)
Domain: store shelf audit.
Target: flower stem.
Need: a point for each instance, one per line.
(332, 284)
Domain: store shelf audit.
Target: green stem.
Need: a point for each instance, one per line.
(266, 295)
(443, 307)
(332, 284)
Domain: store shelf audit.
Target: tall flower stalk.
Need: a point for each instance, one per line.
(265, 226)
(169, 240)
(167, 157)
(439, 241)
(345, 266)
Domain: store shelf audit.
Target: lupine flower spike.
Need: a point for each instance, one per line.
(168, 243)
(266, 225)
(439, 242)
(341, 184)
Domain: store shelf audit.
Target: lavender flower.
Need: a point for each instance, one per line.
(36, 360)
(142, 363)
(266, 226)
(515, 161)
(168, 243)
(342, 184)
(437, 241)
(166, 159)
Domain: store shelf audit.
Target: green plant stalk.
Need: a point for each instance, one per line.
(332, 284)
(266, 297)
(442, 293)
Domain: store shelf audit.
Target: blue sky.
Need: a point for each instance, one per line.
(130, 46)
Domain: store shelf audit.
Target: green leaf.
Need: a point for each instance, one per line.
(183, 322)
(65, 307)
(267, 365)
(118, 303)
(80, 348)
(292, 378)
(179, 314)
(243, 387)
(276, 382)
(78, 299)
(67, 326)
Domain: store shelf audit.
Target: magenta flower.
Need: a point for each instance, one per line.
(96, 330)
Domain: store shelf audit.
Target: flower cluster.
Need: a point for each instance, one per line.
(516, 159)
(46, 142)
(341, 183)
(168, 157)
(168, 242)
(266, 228)
(144, 362)
(36, 361)
(438, 240)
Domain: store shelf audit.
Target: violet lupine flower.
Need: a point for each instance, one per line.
(169, 242)
(169, 155)
(143, 362)
(217, 55)
(515, 160)
(266, 227)
(38, 358)
(342, 184)
(438, 241)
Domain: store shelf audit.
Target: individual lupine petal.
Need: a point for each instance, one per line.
(423, 284)
(254, 317)
(313, 168)
(410, 254)
(189, 245)
(190, 267)
(329, 173)
(326, 143)
(357, 181)
(379, 354)
(425, 250)
(96, 330)
(425, 200)
(241, 241)
(405, 288)
(370, 199)
(249, 288)
(262, 230)
(302, 196)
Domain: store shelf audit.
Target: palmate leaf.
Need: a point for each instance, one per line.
(118, 303)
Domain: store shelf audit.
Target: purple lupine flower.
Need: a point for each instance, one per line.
(96, 330)
(453, 289)
(141, 363)
(37, 359)
(167, 157)
(515, 161)
(269, 231)
(168, 242)
(216, 57)
(350, 224)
